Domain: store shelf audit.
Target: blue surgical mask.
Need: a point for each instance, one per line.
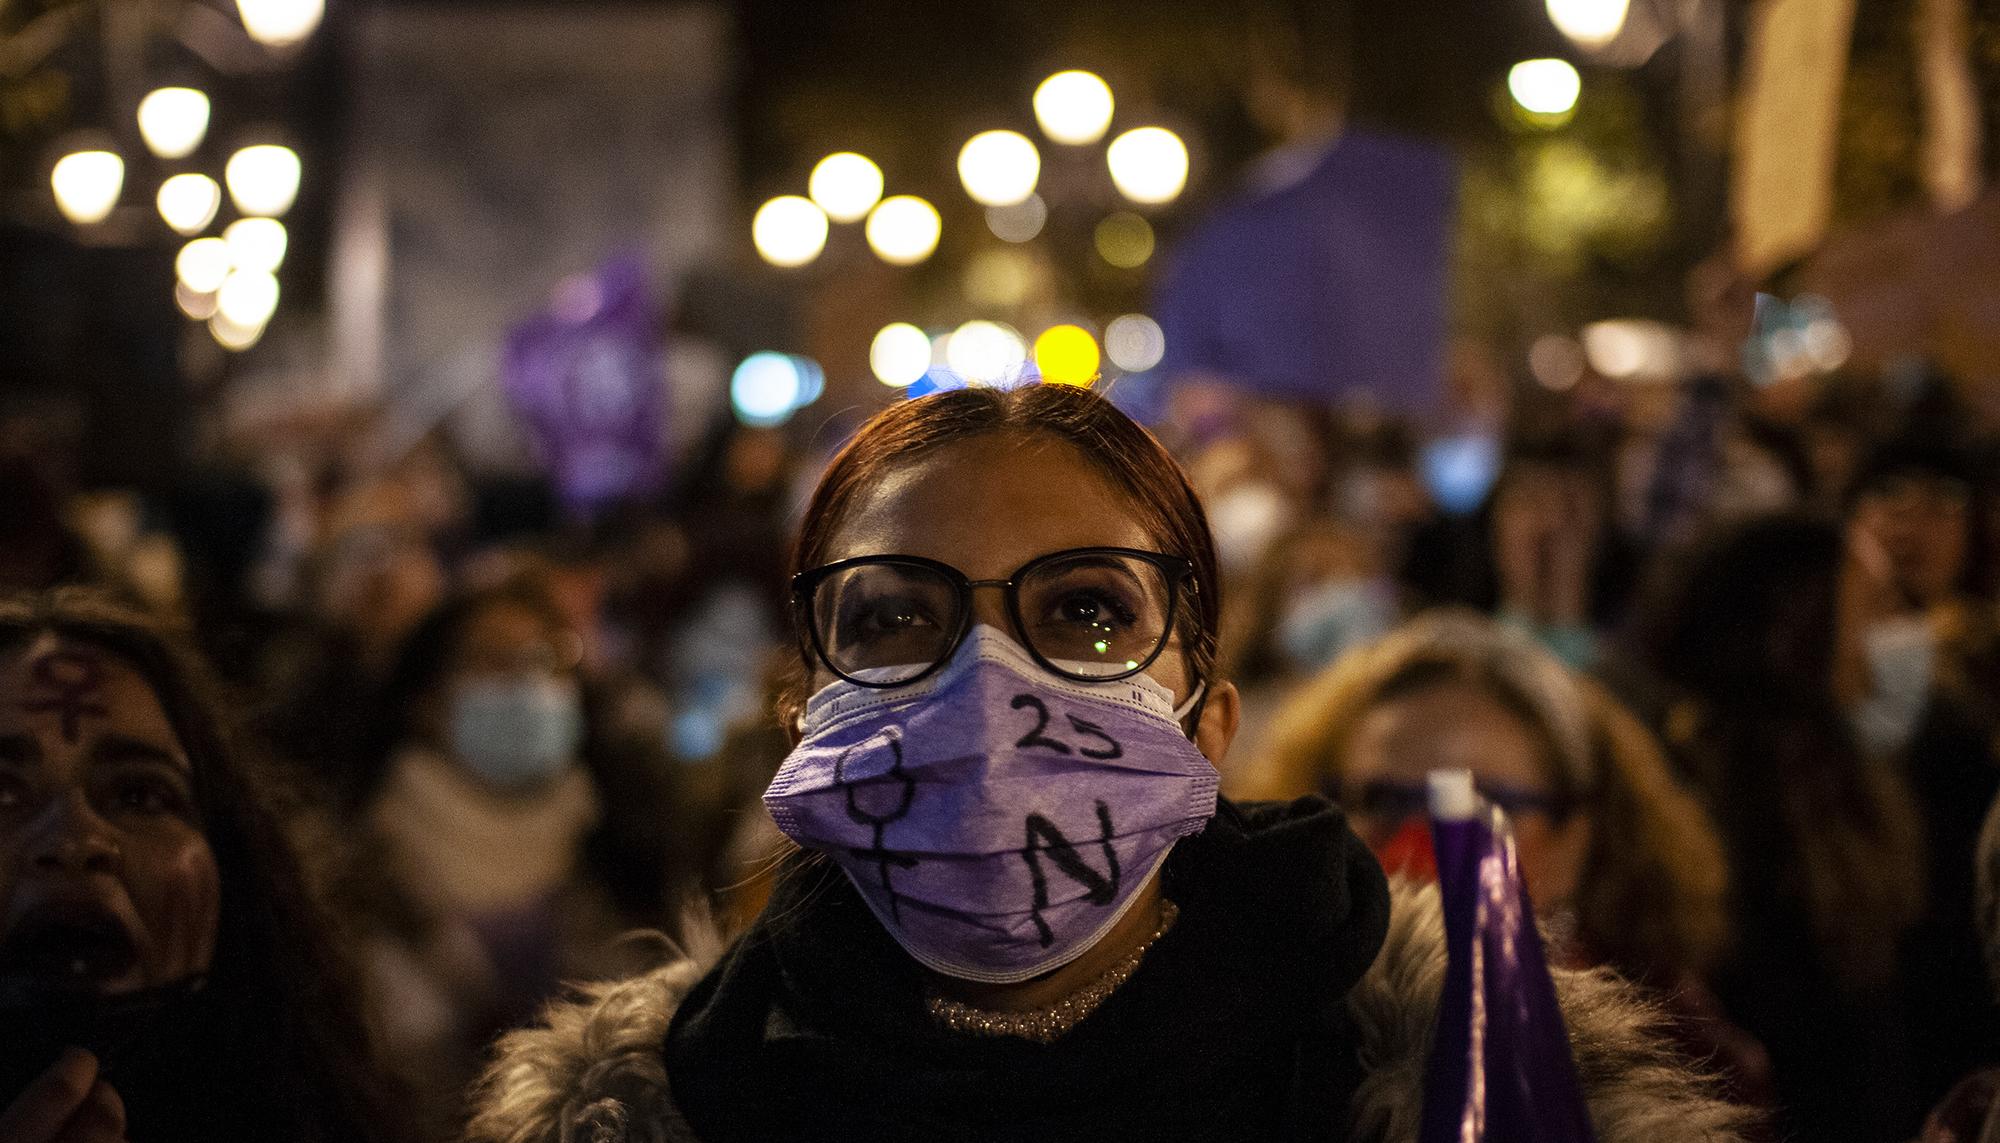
(1321, 622)
(515, 731)
(1901, 653)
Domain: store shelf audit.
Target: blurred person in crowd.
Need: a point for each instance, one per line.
(1542, 553)
(1624, 866)
(1919, 678)
(492, 854)
(1000, 596)
(38, 549)
(1970, 1111)
(1823, 839)
(375, 574)
(163, 973)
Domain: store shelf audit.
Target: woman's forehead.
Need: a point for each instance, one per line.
(75, 690)
(990, 504)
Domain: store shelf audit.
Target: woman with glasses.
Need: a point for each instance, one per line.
(1019, 910)
(1622, 864)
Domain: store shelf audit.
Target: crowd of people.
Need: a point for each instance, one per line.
(381, 758)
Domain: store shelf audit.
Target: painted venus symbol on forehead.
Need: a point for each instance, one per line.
(69, 684)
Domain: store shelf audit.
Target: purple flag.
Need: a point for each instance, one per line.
(583, 376)
(1500, 1068)
(1326, 280)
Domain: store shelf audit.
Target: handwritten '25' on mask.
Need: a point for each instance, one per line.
(998, 819)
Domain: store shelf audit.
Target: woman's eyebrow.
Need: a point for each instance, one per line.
(124, 748)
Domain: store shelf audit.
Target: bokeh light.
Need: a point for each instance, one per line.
(188, 203)
(1546, 87)
(1067, 355)
(1556, 361)
(1148, 164)
(1001, 278)
(1073, 107)
(846, 186)
(1134, 342)
(86, 184)
(197, 306)
(789, 231)
(999, 168)
(1020, 222)
(233, 336)
(173, 121)
(247, 298)
(1125, 240)
(985, 352)
(256, 244)
(263, 180)
(900, 354)
(203, 264)
(903, 229)
(767, 388)
(280, 23)
(1589, 23)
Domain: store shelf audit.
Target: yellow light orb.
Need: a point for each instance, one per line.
(231, 336)
(903, 230)
(280, 23)
(999, 168)
(87, 185)
(247, 298)
(1067, 355)
(900, 354)
(1589, 23)
(1546, 87)
(188, 203)
(846, 186)
(1125, 240)
(1073, 107)
(203, 264)
(789, 231)
(173, 121)
(1148, 164)
(263, 180)
(256, 244)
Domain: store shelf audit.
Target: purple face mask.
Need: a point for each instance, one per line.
(998, 819)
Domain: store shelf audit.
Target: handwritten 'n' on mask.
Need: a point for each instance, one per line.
(998, 819)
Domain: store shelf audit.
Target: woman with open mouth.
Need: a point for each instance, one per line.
(162, 975)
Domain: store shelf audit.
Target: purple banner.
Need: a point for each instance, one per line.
(583, 376)
(1326, 280)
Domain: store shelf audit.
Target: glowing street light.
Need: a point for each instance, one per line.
(280, 23)
(247, 298)
(256, 244)
(900, 354)
(1589, 23)
(263, 180)
(846, 186)
(1148, 164)
(1134, 342)
(173, 121)
(233, 336)
(789, 231)
(1073, 107)
(767, 388)
(1067, 355)
(1546, 87)
(999, 168)
(203, 264)
(87, 185)
(188, 203)
(903, 230)
(985, 351)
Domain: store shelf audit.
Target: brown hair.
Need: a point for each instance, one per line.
(1125, 454)
(1654, 890)
(295, 1048)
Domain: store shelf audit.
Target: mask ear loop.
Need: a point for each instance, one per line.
(1189, 713)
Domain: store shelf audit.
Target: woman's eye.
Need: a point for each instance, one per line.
(888, 615)
(148, 796)
(1092, 608)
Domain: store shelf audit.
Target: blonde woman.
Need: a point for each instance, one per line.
(1624, 865)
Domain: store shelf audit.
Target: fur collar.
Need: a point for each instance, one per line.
(592, 1072)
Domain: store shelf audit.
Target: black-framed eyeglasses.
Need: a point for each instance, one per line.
(1090, 614)
(1389, 801)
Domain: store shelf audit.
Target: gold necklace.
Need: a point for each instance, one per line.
(1046, 1025)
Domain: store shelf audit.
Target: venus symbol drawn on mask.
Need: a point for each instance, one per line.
(857, 788)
